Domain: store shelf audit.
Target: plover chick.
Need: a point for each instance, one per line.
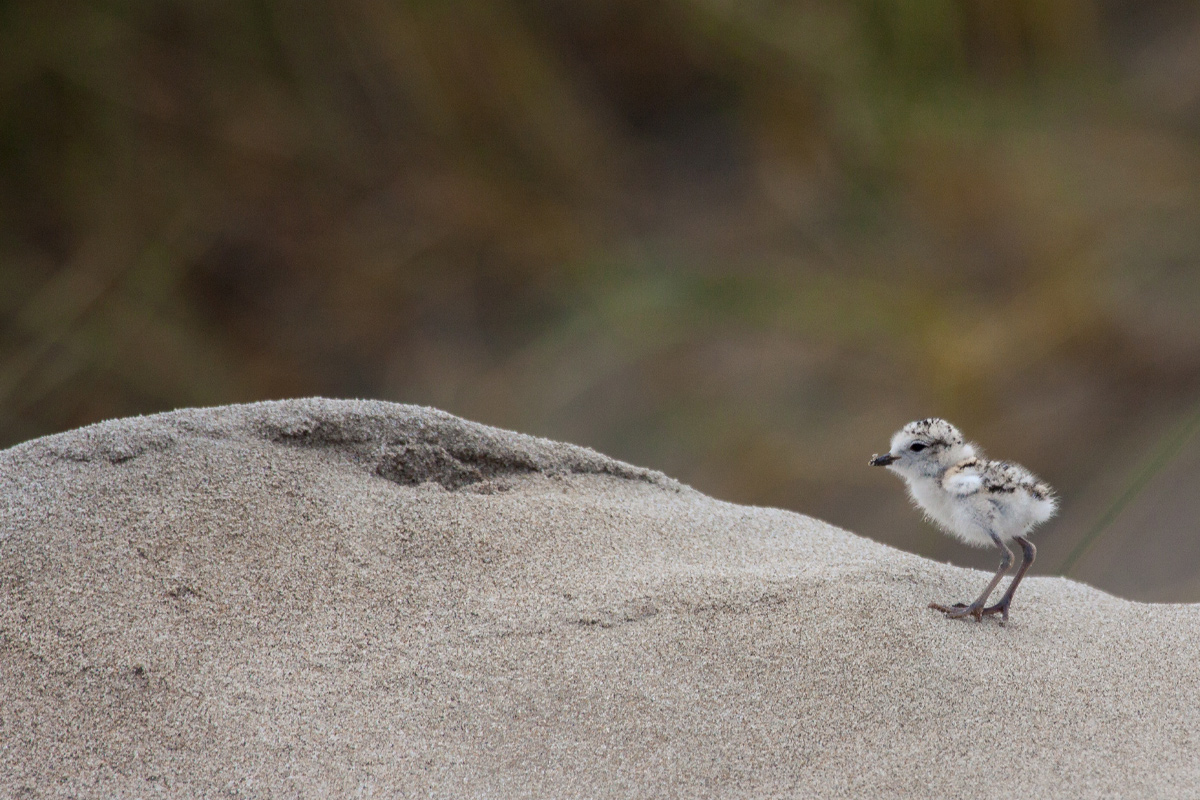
(979, 501)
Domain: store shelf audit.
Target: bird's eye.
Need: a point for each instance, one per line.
(917, 447)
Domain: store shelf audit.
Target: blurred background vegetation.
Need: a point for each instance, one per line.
(740, 241)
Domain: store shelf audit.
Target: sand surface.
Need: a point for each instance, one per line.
(359, 599)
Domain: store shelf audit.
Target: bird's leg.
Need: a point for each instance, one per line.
(959, 610)
(1028, 552)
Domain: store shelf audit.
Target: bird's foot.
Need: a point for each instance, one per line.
(960, 610)
(1000, 608)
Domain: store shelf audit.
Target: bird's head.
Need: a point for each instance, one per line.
(924, 448)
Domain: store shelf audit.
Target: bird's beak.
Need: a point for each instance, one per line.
(883, 460)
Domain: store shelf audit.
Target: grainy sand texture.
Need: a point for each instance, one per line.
(325, 598)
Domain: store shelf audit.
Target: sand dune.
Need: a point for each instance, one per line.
(333, 598)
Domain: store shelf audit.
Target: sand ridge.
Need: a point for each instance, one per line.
(320, 597)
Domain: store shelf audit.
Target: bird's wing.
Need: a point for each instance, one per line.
(964, 478)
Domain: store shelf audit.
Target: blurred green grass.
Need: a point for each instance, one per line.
(739, 242)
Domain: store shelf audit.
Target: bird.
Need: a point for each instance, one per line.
(979, 501)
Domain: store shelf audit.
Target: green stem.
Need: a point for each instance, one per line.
(1167, 451)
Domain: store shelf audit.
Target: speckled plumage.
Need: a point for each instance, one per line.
(979, 501)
